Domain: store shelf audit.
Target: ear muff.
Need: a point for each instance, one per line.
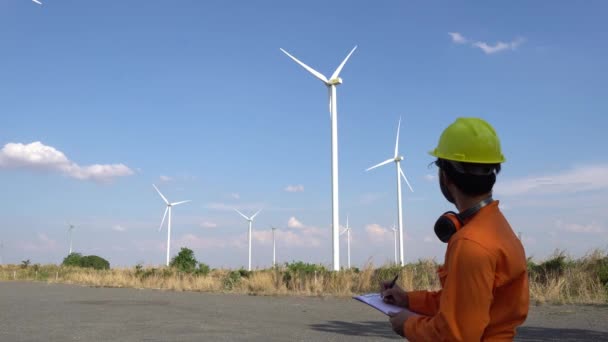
(447, 225)
(450, 222)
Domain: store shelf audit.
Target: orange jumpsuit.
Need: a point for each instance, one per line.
(484, 281)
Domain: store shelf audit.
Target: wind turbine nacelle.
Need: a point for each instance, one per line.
(400, 158)
(335, 81)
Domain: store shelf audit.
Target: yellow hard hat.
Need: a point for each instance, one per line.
(469, 140)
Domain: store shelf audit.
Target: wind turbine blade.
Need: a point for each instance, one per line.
(397, 141)
(161, 195)
(406, 181)
(163, 220)
(337, 72)
(245, 217)
(38, 2)
(383, 163)
(254, 215)
(176, 203)
(344, 231)
(311, 70)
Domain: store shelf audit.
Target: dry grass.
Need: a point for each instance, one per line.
(571, 281)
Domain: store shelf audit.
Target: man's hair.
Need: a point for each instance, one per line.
(470, 178)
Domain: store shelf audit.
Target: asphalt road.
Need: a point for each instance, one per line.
(51, 312)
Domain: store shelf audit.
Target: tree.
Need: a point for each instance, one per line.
(25, 263)
(89, 261)
(73, 259)
(184, 260)
(94, 261)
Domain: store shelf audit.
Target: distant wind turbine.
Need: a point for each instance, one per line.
(250, 220)
(169, 206)
(347, 231)
(397, 160)
(331, 84)
(38, 2)
(1, 252)
(274, 249)
(70, 230)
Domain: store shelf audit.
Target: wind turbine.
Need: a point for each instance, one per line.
(331, 84)
(397, 160)
(274, 249)
(250, 220)
(38, 2)
(347, 231)
(70, 229)
(169, 206)
(394, 229)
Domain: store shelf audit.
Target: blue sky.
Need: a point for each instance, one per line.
(197, 98)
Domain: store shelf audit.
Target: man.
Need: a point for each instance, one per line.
(484, 294)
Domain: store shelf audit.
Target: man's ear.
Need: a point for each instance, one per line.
(444, 178)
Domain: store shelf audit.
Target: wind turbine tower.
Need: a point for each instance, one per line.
(70, 230)
(394, 229)
(331, 84)
(347, 231)
(250, 220)
(274, 248)
(397, 160)
(167, 209)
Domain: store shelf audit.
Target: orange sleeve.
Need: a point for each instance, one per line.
(424, 302)
(464, 304)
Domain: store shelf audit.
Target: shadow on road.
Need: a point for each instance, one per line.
(367, 329)
(533, 334)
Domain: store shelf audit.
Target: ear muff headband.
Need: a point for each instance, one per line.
(450, 222)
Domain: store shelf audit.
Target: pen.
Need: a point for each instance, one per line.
(393, 282)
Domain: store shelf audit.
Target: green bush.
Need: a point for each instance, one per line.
(602, 270)
(203, 269)
(301, 270)
(184, 261)
(232, 278)
(72, 259)
(94, 261)
(244, 273)
(88, 261)
(386, 273)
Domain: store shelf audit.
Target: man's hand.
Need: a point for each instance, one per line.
(395, 296)
(398, 320)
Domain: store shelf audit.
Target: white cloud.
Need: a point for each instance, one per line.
(592, 227)
(119, 228)
(499, 46)
(457, 38)
(487, 48)
(295, 188)
(165, 178)
(430, 177)
(294, 223)
(207, 224)
(37, 156)
(377, 233)
(580, 179)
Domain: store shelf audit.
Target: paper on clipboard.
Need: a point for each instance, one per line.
(375, 300)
